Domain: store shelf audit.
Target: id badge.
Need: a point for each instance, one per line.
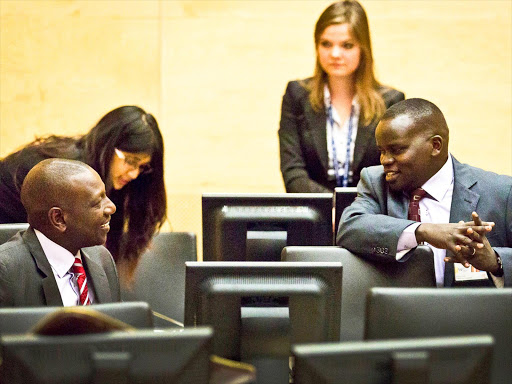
(468, 274)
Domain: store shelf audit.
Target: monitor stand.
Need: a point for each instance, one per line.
(265, 245)
(265, 342)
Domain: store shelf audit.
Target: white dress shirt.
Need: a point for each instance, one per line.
(436, 210)
(340, 133)
(432, 210)
(61, 261)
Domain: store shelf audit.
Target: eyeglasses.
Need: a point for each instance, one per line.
(133, 163)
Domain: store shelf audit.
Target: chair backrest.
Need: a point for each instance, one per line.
(21, 320)
(9, 230)
(425, 312)
(160, 276)
(359, 275)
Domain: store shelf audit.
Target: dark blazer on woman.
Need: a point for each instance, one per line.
(27, 279)
(303, 141)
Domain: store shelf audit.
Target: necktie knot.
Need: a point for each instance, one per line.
(78, 268)
(418, 194)
(414, 204)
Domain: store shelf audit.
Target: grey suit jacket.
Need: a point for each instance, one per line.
(372, 225)
(303, 142)
(26, 277)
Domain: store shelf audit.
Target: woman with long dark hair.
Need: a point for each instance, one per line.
(327, 129)
(126, 149)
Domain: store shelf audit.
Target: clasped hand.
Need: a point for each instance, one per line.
(467, 242)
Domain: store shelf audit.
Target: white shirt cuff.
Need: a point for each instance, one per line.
(407, 240)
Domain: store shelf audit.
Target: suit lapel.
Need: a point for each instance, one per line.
(96, 278)
(464, 202)
(317, 125)
(50, 288)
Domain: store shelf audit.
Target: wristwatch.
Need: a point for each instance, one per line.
(499, 272)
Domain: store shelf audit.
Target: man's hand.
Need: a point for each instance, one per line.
(475, 250)
(459, 238)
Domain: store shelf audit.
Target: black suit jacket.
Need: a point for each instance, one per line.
(27, 279)
(303, 141)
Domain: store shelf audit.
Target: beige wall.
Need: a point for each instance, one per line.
(213, 73)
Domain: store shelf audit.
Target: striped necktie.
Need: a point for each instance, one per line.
(414, 204)
(81, 279)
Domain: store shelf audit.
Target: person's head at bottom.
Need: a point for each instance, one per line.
(66, 201)
(412, 137)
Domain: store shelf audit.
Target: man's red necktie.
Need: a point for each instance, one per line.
(414, 204)
(79, 271)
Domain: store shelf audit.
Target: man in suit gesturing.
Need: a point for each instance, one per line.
(69, 215)
(412, 137)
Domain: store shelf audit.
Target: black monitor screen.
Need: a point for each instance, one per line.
(343, 197)
(177, 356)
(256, 227)
(258, 309)
(454, 360)
(425, 312)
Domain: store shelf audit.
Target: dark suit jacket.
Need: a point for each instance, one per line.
(372, 225)
(303, 142)
(27, 280)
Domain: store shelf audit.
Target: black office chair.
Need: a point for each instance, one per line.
(9, 230)
(22, 319)
(160, 277)
(359, 275)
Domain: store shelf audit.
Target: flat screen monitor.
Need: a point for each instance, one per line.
(143, 356)
(256, 227)
(343, 197)
(443, 360)
(258, 309)
(426, 312)
(20, 320)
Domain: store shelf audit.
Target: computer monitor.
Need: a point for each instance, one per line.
(454, 360)
(258, 309)
(256, 227)
(426, 312)
(343, 197)
(20, 320)
(143, 356)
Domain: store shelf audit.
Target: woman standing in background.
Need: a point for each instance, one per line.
(126, 149)
(327, 128)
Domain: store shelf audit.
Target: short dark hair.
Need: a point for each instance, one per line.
(423, 112)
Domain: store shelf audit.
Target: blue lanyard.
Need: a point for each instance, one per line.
(339, 181)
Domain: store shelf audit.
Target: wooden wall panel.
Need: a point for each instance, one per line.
(214, 72)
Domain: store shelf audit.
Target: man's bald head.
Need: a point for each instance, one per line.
(49, 184)
(425, 117)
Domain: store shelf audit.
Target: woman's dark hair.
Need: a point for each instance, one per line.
(141, 204)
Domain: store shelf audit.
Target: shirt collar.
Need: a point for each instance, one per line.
(439, 184)
(327, 103)
(59, 258)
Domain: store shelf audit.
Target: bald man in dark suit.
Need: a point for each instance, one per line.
(69, 215)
